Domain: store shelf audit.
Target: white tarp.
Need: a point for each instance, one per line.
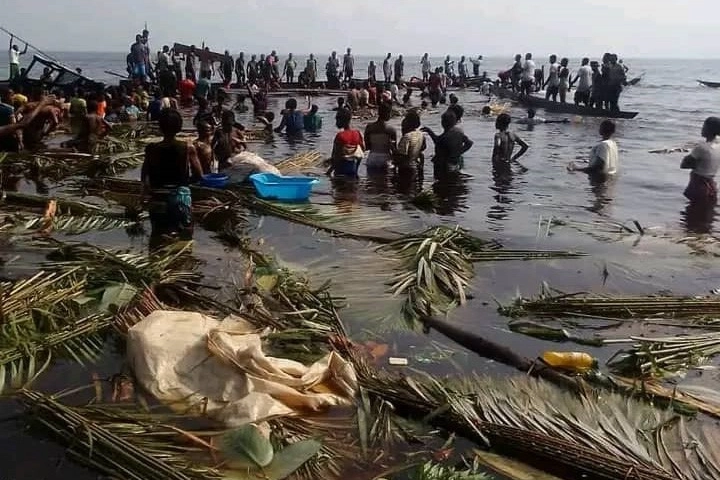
(186, 358)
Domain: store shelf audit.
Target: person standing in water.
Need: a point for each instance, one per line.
(381, 140)
(399, 69)
(476, 65)
(372, 74)
(504, 143)
(167, 171)
(564, 77)
(449, 67)
(426, 67)
(462, 70)
(703, 163)
(240, 69)
(584, 79)
(348, 66)
(14, 57)
(348, 147)
(289, 69)
(311, 69)
(191, 64)
(226, 68)
(552, 84)
(450, 146)
(528, 75)
(387, 69)
(603, 156)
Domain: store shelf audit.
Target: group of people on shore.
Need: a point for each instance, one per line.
(599, 85)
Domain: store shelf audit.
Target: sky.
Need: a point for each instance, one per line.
(573, 28)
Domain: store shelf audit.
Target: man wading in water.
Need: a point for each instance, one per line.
(169, 167)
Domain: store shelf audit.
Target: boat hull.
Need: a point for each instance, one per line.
(558, 107)
(709, 84)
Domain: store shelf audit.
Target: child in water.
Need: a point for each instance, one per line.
(505, 141)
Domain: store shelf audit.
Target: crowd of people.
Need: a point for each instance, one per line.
(172, 164)
(599, 85)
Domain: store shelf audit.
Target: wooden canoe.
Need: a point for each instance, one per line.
(185, 49)
(709, 84)
(558, 107)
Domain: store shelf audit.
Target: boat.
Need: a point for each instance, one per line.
(709, 84)
(51, 75)
(182, 49)
(558, 107)
(636, 80)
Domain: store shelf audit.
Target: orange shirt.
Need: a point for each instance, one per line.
(102, 107)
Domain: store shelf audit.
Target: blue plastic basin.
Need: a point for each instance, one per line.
(277, 187)
(214, 180)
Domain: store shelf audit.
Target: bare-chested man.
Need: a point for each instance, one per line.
(203, 146)
(45, 120)
(92, 129)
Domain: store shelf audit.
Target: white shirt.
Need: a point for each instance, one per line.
(607, 153)
(708, 158)
(528, 72)
(14, 57)
(584, 74)
(553, 78)
(425, 65)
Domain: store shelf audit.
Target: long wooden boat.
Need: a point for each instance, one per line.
(50, 75)
(558, 107)
(185, 49)
(709, 84)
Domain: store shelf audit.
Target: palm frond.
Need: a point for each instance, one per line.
(623, 307)
(118, 445)
(300, 162)
(67, 224)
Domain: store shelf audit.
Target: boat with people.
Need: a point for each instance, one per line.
(51, 75)
(559, 107)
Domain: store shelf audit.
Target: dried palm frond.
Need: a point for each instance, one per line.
(65, 206)
(67, 224)
(588, 305)
(606, 436)
(666, 355)
(300, 162)
(118, 445)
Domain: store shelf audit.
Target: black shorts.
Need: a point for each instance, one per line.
(526, 85)
(349, 73)
(582, 97)
(554, 90)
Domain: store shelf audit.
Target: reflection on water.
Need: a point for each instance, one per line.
(452, 193)
(602, 190)
(698, 218)
(502, 176)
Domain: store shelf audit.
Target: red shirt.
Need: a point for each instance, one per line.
(187, 89)
(372, 97)
(350, 139)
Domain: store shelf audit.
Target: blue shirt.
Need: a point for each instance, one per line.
(203, 88)
(6, 114)
(294, 122)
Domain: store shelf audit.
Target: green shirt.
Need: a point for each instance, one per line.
(312, 122)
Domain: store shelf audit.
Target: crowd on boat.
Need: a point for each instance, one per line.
(599, 84)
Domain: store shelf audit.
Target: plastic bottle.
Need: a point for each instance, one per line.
(573, 361)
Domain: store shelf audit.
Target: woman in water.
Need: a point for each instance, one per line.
(703, 163)
(380, 139)
(169, 167)
(348, 147)
(449, 146)
(409, 154)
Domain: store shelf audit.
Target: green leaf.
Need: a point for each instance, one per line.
(247, 447)
(117, 296)
(291, 458)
